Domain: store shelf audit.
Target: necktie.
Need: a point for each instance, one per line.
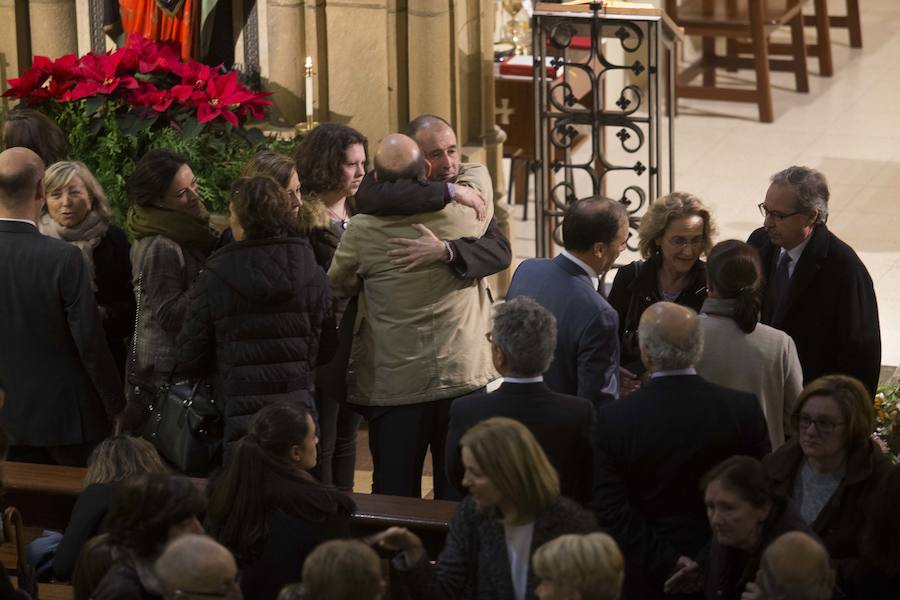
(779, 284)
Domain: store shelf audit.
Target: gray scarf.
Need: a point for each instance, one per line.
(86, 236)
(718, 306)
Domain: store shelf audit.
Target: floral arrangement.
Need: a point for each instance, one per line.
(114, 107)
(146, 78)
(887, 418)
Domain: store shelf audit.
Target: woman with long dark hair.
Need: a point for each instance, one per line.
(267, 509)
(147, 512)
(739, 352)
(172, 239)
(331, 163)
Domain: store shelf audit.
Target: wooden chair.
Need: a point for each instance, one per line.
(739, 20)
(849, 21)
(821, 49)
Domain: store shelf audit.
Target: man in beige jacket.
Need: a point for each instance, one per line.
(419, 337)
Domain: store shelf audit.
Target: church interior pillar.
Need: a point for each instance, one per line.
(53, 27)
(285, 29)
(9, 54)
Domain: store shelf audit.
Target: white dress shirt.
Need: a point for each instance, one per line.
(595, 279)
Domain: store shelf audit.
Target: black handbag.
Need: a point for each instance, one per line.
(185, 425)
(182, 419)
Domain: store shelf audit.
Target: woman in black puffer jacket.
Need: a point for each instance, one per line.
(260, 317)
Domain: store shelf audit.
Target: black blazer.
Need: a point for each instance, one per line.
(830, 310)
(560, 423)
(586, 360)
(60, 378)
(650, 452)
(475, 257)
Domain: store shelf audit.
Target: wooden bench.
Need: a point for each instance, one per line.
(46, 494)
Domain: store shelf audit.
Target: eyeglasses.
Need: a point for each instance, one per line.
(802, 422)
(765, 212)
(681, 242)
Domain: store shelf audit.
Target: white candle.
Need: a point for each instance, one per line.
(309, 89)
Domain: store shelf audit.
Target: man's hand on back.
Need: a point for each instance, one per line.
(470, 197)
(414, 253)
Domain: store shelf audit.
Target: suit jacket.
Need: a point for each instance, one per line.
(560, 423)
(586, 360)
(475, 257)
(60, 378)
(474, 563)
(418, 335)
(830, 309)
(650, 452)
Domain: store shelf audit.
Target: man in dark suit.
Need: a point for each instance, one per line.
(651, 451)
(586, 360)
(523, 336)
(817, 289)
(62, 386)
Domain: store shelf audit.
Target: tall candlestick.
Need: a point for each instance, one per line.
(309, 92)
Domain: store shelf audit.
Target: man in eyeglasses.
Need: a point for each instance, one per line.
(196, 567)
(817, 289)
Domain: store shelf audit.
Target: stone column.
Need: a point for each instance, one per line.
(53, 27)
(432, 60)
(9, 55)
(359, 65)
(285, 29)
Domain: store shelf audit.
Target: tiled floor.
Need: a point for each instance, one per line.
(848, 126)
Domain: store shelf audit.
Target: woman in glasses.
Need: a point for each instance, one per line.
(674, 233)
(831, 469)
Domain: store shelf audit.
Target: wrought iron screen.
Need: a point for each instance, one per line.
(585, 145)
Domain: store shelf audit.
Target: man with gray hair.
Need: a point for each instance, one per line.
(795, 567)
(651, 450)
(523, 339)
(817, 289)
(195, 567)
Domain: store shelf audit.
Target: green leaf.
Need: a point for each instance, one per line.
(192, 127)
(93, 104)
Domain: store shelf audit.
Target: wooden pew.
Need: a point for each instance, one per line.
(45, 495)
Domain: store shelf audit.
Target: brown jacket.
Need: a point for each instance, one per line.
(843, 518)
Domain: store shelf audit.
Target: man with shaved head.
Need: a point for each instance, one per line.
(652, 448)
(63, 390)
(795, 567)
(196, 567)
(445, 181)
(419, 335)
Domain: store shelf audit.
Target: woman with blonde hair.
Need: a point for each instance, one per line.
(112, 461)
(580, 567)
(512, 508)
(674, 233)
(78, 212)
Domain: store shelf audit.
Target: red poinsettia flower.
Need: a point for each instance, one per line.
(255, 106)
(142, 55)
(31, 88)
(194, 77)
(148, 94)
(224, 95)
(99, 76)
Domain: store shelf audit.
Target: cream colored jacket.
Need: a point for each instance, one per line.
(419, 336)
(763, 362)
